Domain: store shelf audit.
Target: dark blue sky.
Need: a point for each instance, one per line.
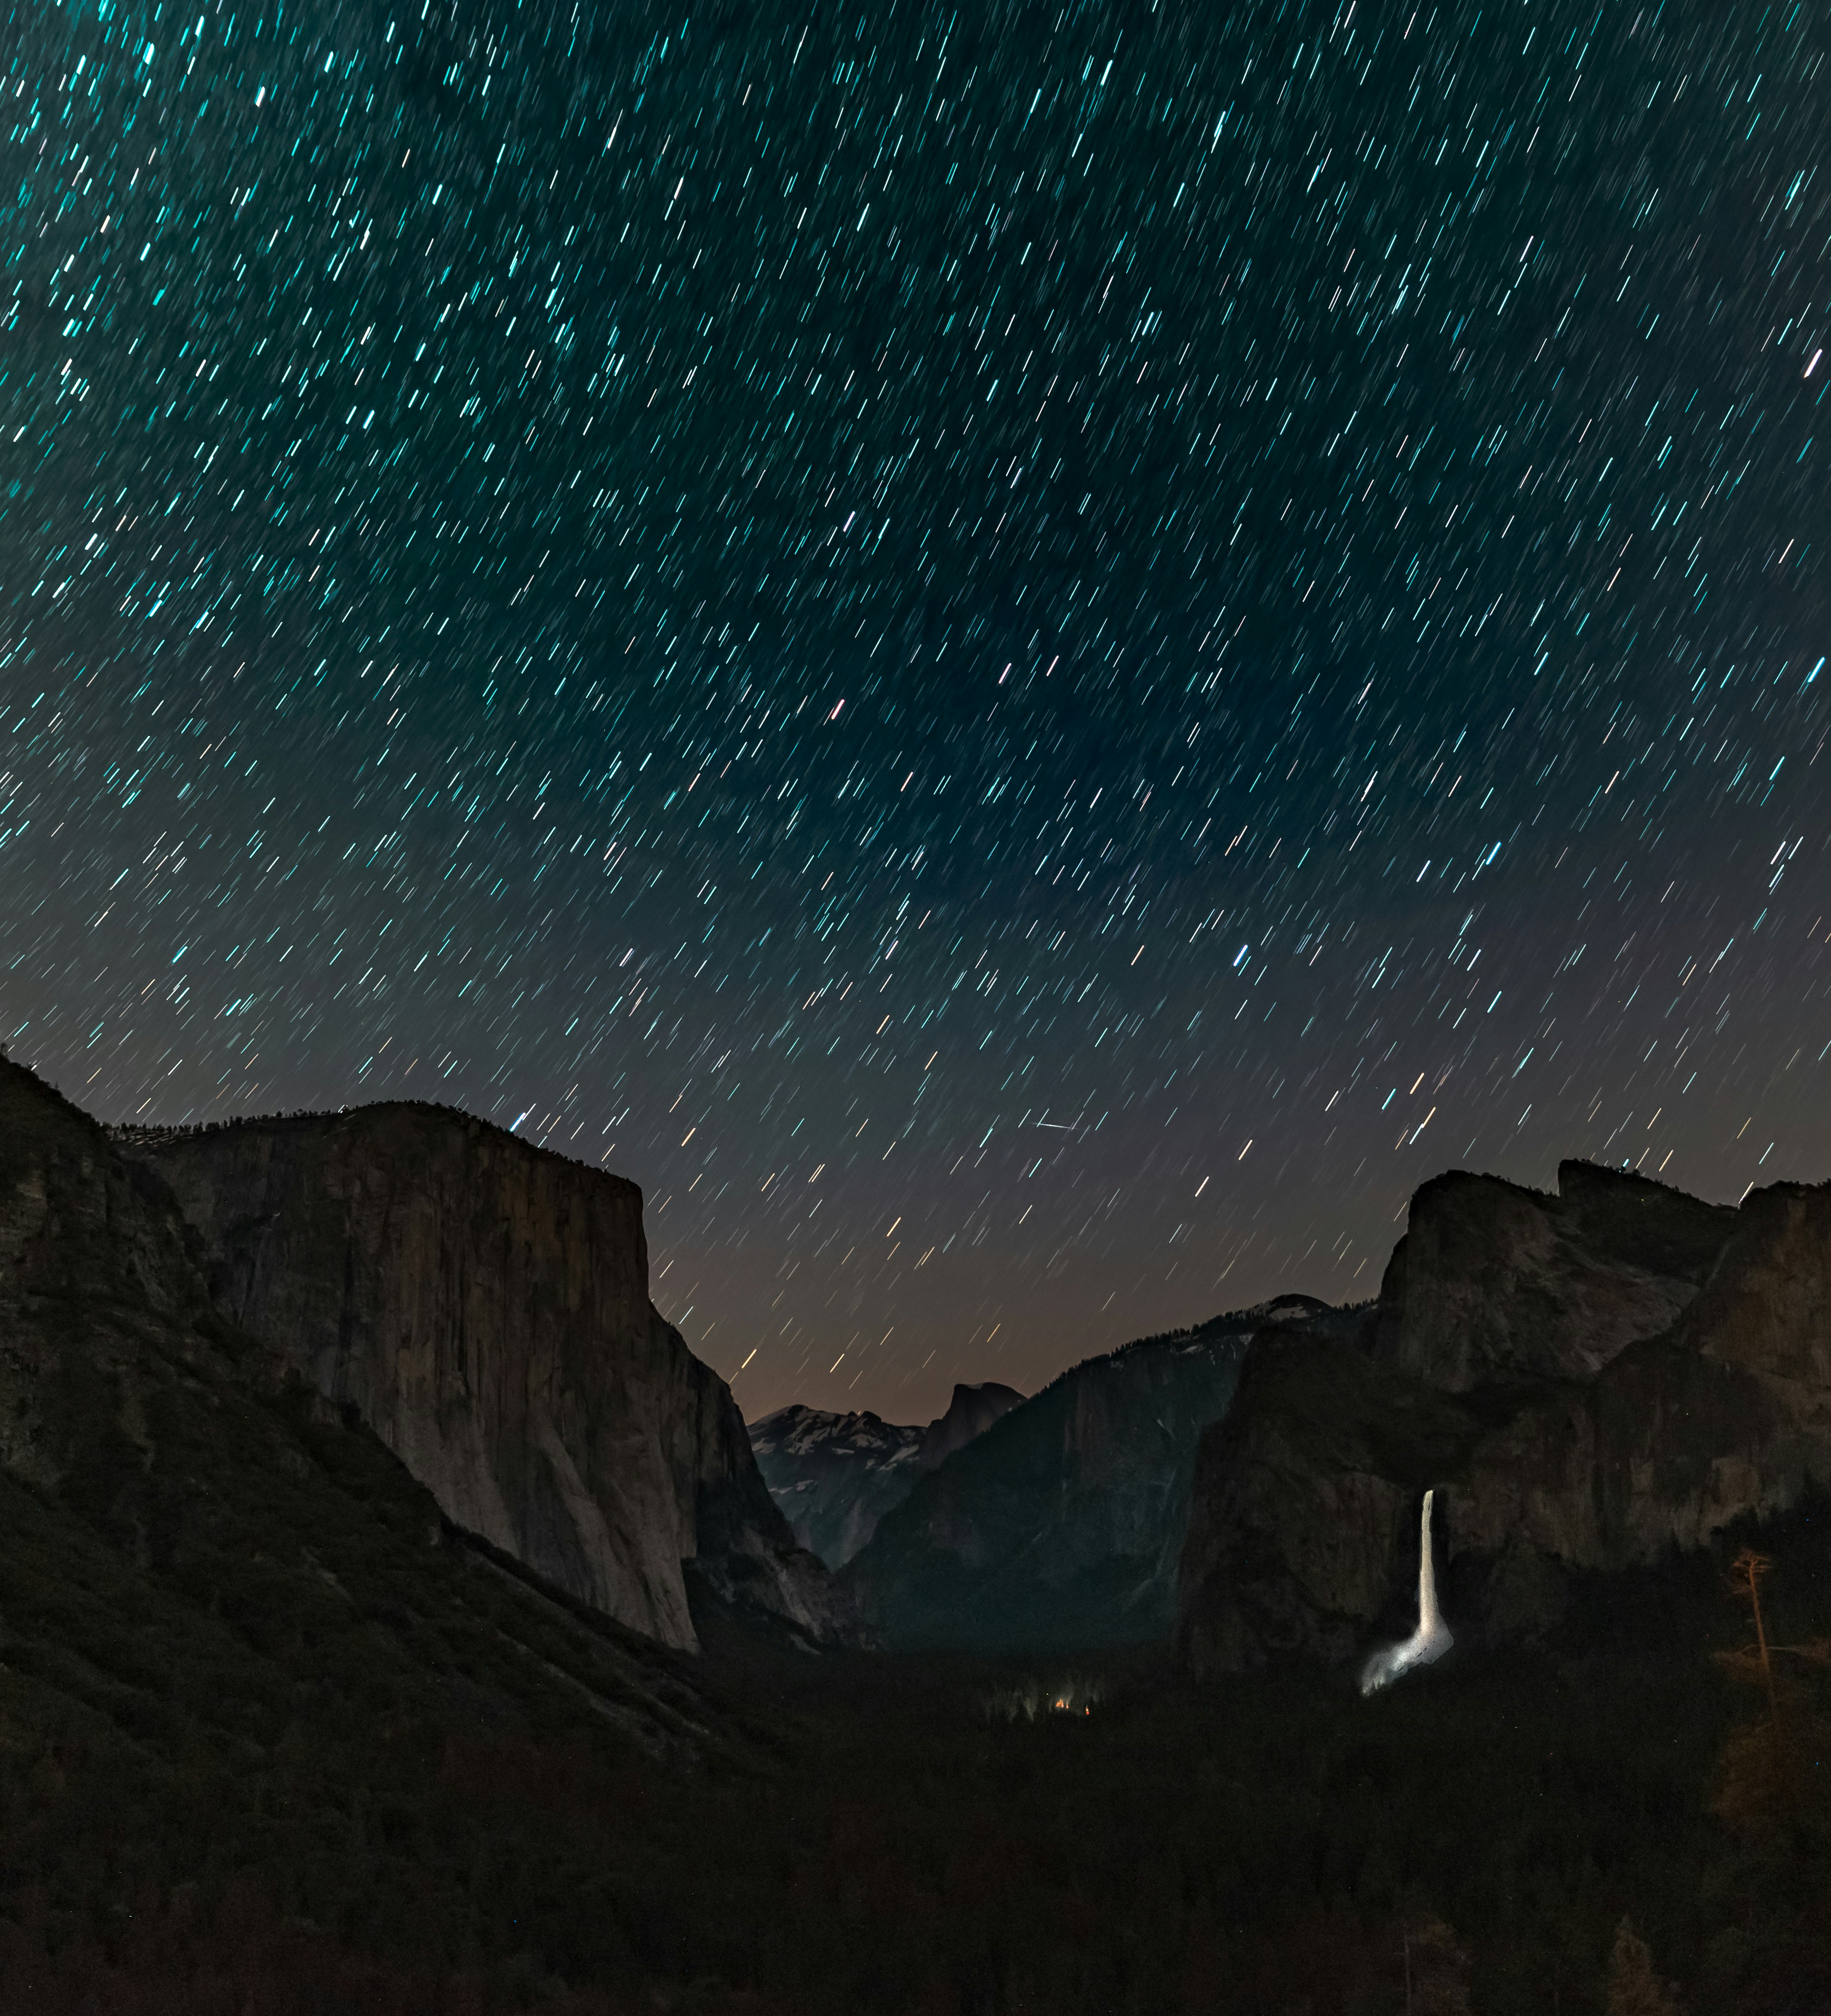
(1028, 659)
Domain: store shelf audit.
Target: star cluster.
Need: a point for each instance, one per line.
(1028, 658)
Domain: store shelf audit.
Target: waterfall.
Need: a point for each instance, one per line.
(1432, 1638)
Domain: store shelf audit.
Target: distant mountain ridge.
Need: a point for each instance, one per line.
(834, 1476)
(1062, 1524)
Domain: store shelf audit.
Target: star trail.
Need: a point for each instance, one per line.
(1026, 658)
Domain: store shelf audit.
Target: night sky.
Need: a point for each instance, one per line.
(1028, 659)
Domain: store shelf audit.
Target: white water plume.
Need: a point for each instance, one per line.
(1432, 1638)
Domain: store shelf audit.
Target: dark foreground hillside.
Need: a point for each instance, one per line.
(422, 1786)
(276, 1739)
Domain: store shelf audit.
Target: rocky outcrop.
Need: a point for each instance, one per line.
(483, 1305)
(835, 1476)
(196, 1540)
(1503, 1366)
(1303, 1500)
(971, 1411)
(1493, 1282)
(101, 1294)
(1061, 1525)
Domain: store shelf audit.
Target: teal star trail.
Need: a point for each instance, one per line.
(1027, 662)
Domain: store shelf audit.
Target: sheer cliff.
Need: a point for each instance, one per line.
(971, 1410)
(1589, 1379)
(205, 1558)
(1494, 1282)
(483, 1305)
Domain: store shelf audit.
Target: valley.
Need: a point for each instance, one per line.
(281, 1730)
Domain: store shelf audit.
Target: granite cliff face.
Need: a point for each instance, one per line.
(101, 1298)
(202, 1551)
(1060, 1526)
(970, 1411)
(1494, 1282)
(483, 1305)
(1588, 1381)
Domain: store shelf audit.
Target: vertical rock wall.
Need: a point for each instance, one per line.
(1590, 1379)
(485, 1304)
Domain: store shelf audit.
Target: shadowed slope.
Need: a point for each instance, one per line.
(484, 1306)
(1503, 1366)
(1062, 1524)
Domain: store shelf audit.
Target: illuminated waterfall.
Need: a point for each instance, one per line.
(1430, 1641)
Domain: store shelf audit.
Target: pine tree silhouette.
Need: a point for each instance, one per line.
(1762, 1774)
